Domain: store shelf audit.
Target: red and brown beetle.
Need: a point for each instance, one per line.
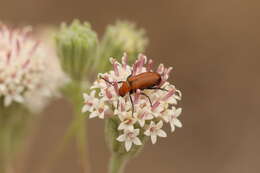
(142, 81)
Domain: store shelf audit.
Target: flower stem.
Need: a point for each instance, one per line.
(79, 124)
(117, 163)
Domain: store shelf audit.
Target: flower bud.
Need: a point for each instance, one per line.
(76, 45)
(122, 37)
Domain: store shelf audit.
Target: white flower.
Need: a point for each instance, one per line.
(173, 118)
(142, 114)
(127, 121)
(89, 101)
(155, 130)
(149, 105)
(130, 137)
(29, 70)
(99, 110)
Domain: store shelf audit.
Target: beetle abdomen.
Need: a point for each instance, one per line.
(144, 80)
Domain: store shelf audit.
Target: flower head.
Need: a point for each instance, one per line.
(29, 70)
(150, 107)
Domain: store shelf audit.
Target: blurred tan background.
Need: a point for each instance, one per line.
(214, 49)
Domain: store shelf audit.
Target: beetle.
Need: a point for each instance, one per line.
(142, 81)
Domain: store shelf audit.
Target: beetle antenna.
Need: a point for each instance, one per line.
(107, 81)
(111, 83)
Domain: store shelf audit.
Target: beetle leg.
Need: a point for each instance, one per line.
(117, 105)
(148, 98)
(133, 108)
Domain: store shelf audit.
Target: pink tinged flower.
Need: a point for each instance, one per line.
(149, 65)
(165, 114)
(100, 109)
(173, 118)
(89, 102)
(127, 121)
(138, 66)
(115, 66)
(173, 95)
(108, 94)
(167, 73)
(142, 115)
(130, 137)
(10, 98)
(168, 95)
(124, 61)
(155, 130)
(155, 105)
(160, 69)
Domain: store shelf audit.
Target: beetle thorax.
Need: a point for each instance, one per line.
(124, 89)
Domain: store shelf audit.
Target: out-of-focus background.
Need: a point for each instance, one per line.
(214, 49)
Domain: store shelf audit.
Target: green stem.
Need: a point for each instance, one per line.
(81, 138)
(79, 125)
(117, 163)
(5, 149)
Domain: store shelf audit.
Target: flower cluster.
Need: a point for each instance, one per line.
(146, 118)
(29, 70)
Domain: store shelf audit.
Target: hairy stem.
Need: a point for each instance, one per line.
(117, 163)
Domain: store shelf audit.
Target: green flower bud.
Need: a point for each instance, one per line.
(122, 37)
(76, 47)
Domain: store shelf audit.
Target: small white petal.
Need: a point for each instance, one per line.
(121, 126)
(141, 122)
(136, 131)
(85, 96)
(121, 138)
(101, 115)
(178, 112)
(137, 141)
(161, 133)
(7, 101)
(177, 123)
(128, 145)
(172, 126)
(84, 109)
(19, 98)
(153, 138)
(147, 132)
(159, 125)
(93, 115)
